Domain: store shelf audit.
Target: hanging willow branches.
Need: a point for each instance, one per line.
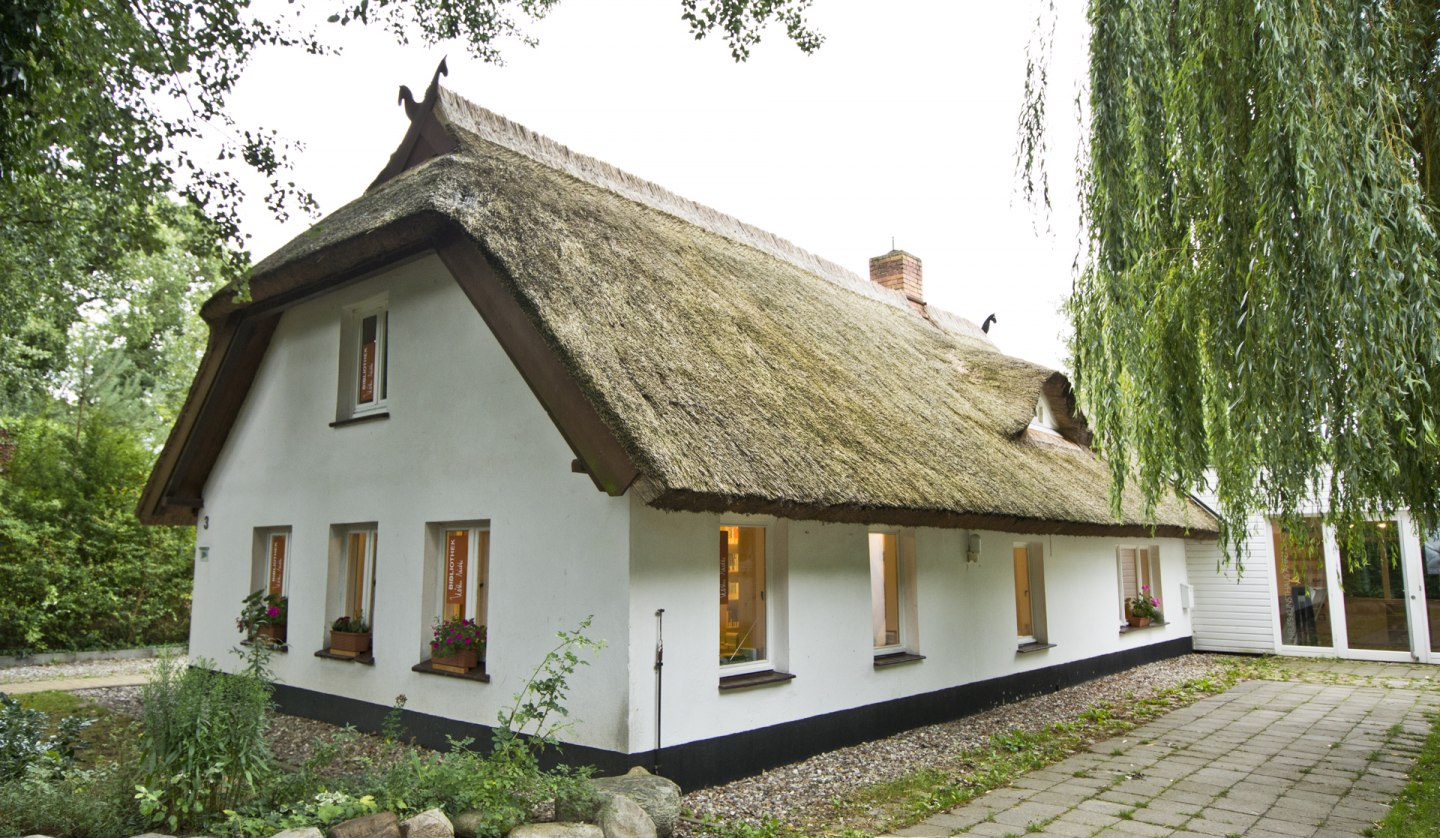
(1259, 293)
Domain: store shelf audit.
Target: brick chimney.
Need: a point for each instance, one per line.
(899, 271)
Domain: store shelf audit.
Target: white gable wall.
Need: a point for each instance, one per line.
(466, 440)
(966, 617)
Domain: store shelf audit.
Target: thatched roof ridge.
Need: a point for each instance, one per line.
(736, 371)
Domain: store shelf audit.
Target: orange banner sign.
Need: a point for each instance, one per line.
(457, 558)
(367, 373)
(277, 564)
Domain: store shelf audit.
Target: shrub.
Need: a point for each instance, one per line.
(26, 747)
(203, 742)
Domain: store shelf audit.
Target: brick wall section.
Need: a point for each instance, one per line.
(898, 271)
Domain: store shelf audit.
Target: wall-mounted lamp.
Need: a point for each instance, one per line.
(972, 549)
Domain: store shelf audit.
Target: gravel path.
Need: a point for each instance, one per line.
(803, 791)
(83, 669)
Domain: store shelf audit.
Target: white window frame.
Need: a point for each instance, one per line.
(1035, 567)
(367, 572)
(766, 663)
(1139, 556)
(1044, 418)
(906, 594)
(352, 322)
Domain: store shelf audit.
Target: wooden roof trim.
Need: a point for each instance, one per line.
(173, 494)
(594, 444)
(687, 501)
(425, 138)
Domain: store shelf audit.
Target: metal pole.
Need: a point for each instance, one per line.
(659, 680)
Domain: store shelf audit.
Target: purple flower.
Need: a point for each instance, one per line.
(272, 611)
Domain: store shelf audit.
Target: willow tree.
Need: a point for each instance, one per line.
(1258, 295)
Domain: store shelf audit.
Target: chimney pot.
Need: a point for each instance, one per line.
(899, 271)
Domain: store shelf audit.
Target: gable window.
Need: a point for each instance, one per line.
(364, 359)
(1029, 562)
(1044, 418)
(1137, 569)
(743, 605)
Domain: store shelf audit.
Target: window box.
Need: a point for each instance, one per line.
(476, 674)
(460, 662)
(349, 644)
(275, 634)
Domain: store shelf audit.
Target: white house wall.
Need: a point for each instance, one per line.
(966, 618)
(465, 440)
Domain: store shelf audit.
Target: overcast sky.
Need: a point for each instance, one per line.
(902, 125)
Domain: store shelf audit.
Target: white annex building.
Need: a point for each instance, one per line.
(1309, 596)
(514, 385)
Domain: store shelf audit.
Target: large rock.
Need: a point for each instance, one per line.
(659, 797)
(467, 823)
(557, 830)
(307, 832)
(430, 823)
(622, 817)
(378, 825)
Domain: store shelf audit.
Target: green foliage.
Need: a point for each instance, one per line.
(324, 809)
(81, 803)
(203, 743)
(1259, 292)
(392, 728)
(27, 747)
(535, 720)
(452, 637)
(78, 570)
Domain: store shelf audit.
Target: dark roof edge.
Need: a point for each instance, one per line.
(688, 501)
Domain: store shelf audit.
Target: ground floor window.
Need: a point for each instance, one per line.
(359, 581)
(1137, 571)
(1029, 562)
(743, 605)
(457, 576)
(270, 579)
(885, 591)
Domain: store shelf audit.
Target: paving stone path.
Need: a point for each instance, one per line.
(1321, 757)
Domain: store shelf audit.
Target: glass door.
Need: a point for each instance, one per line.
(1430, 567)
(1302, 592)
(1372, 575)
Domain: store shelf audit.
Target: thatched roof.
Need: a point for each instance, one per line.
(733, 370)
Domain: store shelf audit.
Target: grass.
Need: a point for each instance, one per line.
(104, 741)
(1417, 810)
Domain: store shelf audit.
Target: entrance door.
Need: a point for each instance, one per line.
(1372, 575)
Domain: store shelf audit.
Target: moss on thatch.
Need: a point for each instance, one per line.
(735, 369)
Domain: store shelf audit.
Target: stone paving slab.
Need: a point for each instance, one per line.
(1268, 759)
